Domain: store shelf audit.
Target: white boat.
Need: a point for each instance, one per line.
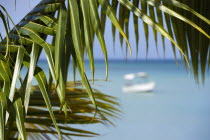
(142, 86)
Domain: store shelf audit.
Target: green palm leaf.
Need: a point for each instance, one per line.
(55, 101)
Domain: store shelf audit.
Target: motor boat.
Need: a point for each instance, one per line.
(142, 84)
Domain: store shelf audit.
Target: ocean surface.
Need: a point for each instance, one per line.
(178, 109)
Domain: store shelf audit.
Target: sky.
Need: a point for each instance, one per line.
(24, 6)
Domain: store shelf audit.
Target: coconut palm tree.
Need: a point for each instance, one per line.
(49, 108)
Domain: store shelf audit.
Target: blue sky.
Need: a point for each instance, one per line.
(24, 6)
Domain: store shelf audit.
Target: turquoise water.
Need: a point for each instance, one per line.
(178, 109)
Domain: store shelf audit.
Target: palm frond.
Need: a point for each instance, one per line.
(73, 26)
(38, 121)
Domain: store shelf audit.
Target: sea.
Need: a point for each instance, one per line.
(177, 109)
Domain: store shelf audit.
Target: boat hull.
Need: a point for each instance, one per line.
(146, 87)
